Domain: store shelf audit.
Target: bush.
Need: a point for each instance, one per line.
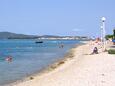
(111, 51)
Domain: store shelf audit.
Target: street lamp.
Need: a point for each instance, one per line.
(103, 32)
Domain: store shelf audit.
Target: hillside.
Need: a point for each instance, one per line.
(9, 35)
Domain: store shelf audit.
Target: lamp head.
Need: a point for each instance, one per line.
(103, 19)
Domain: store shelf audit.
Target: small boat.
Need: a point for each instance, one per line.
(39, 42)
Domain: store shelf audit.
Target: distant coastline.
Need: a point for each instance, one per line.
(9, 35)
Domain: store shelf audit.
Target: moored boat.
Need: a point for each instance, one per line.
(39, 42)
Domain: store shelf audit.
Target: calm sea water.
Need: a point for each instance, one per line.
(29, 57)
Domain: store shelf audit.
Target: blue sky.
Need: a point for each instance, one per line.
(57, 17)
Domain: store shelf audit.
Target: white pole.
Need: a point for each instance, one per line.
(101, 34)
(104, 40)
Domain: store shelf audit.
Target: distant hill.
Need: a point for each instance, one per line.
(50, 36)
(9, 35)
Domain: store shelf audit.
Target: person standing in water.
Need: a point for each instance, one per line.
(61, 46)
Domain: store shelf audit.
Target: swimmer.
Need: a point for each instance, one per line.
(61, 46)
(9, 59)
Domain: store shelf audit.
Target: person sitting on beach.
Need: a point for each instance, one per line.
(95, 50)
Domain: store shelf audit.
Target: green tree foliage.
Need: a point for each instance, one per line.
(109, 37)
(114, 34)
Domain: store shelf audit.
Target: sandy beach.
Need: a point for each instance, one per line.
(81, 69)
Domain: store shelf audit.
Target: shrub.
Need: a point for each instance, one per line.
(111, 51)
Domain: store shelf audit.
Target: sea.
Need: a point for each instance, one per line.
(29, 57)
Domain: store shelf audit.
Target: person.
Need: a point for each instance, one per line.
(61, 46)
(9, 59)
(95, 50)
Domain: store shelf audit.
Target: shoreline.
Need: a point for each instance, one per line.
(83, 69)
(68, 56)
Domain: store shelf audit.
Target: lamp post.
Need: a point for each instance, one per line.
(103, 33)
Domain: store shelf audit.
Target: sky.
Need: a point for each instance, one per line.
(57, 17)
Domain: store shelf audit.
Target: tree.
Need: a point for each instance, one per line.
(109, 37)
(113, 37)
(114, 34)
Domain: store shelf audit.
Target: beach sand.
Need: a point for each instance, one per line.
(81, 69)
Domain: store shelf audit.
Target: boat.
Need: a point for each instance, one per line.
(39, 42)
